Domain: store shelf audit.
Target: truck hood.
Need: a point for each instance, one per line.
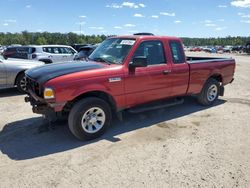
(47, 72)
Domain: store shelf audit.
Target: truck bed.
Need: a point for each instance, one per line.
(202, 68)
(192, 60)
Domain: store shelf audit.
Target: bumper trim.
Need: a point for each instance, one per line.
(34, 96)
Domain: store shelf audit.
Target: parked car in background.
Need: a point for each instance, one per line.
(1, 49)
(19, 52)
(85, 52)
(195, 49)
(53, 53)
(248, 48)
(210, 49)
(77, 47)
(46, 53)
(12, 72)
(227, 49)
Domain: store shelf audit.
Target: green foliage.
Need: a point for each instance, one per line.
(27, 38)
(215, 41)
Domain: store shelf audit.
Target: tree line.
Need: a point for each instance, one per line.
(234, 41)
(42, 38)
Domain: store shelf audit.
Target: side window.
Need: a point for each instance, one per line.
(22, 50)
(48, 49)
(153, 51)
(56, 50)
(62, 51)
(66, 51)
(71, 51)
(177, 52)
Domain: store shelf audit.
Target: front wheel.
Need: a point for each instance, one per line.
(209, 93)
(89, 118)
(21, 83)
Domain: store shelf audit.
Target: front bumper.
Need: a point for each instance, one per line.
(41, 106)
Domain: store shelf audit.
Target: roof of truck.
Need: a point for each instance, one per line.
(146, 37)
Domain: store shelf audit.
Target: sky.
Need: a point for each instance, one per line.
(182, 18)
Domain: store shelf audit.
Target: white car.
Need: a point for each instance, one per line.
(52, 53)
(45, 53)
(1, 49)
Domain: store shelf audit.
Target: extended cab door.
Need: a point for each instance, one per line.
(145, 84)
(180, 69)
(2, 75)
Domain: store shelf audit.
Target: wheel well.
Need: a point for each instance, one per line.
(99, 94)
(217, 77)
(22, 72)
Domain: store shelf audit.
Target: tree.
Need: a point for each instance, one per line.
(41, 41)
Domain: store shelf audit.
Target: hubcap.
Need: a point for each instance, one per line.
(93, 120)
(23, 84)
(212, 93)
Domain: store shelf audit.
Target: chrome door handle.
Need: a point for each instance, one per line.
(166, 72)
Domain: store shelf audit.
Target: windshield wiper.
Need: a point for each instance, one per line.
(100, 59)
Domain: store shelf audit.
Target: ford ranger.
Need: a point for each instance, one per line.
(135, 73)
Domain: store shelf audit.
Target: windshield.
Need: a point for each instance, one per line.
(113, 50)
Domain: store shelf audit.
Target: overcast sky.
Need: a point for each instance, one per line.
(190, 18)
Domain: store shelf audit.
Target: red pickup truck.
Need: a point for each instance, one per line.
(135, 73)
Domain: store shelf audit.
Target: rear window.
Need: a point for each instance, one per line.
(23, 50)
(10, 50)
(177, 52)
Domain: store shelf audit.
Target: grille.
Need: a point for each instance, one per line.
(34, 86)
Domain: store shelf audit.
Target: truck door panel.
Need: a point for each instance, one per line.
(180, 69)
(149, 83)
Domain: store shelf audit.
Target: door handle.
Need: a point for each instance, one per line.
(166, 72)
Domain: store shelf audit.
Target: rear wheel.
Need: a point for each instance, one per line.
(21, 83)
(209, 93)
(89, 118)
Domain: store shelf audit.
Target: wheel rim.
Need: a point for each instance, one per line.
(212, 93)
(23, 83)
(93, 120)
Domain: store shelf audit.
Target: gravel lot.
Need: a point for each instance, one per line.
(182, 146)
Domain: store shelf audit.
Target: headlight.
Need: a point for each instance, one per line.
(48, 93)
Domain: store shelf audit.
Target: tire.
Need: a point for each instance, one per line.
(209, 93)
(89, 118)
(21, 83)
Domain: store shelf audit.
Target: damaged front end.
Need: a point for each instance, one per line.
(47, 107)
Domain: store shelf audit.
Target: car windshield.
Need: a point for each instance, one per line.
(113, 51)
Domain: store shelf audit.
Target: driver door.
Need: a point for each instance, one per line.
(146, 84)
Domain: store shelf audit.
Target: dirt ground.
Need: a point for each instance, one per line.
(182, 146)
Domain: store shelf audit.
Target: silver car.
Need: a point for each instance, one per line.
(12, 72)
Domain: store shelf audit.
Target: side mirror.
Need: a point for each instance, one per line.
(138, 61)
